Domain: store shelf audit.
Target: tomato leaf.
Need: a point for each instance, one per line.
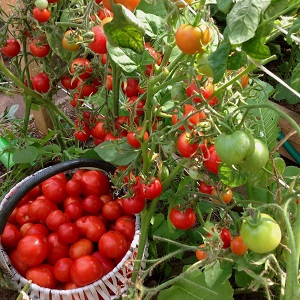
(216, 274)
(118, 152)
(244, 18)
(218, 60)
(25, 155)
(224, 5)
(237, 60)
(193, 287)
(232, 177)
(125, 30)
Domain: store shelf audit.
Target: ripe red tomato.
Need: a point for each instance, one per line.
(130, 4)
(11, 236)
(113, 244)
(33, 249)
(92, 204)
(91, 227)
(190, 39)
(225, 237)
(74, 210)
(71, 40)
(83, 132)
(11, 48)
(37, 228)
(41, 83)
(98, 45)
(238, 246)
(41, 15)
(56, 218)
(86, 269)
(22, 214)
(54, 190)
(107, 263)
(126, 225)
(99, 130)
(62, 269)
(112, 210)
(69, 82)
(40, 208)
(74, 187)
(42, 275)
(57, 249)
(18, 265)
(68, 233)
(130, 87)
(206, 91)
(211, 159)
(133, 205)
(39, 48)
(35, 192)
(205, 188)
(186, 146)
(95, 182)
(81, 67)
(156, 56)
(153, 189)
(81, 248)
(136, 105)
(133, 141)
(182, 219)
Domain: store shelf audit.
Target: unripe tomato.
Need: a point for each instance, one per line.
(41, 4)
(71, 40)
(262, 236)
(226, 195)
(131, 5)
(190, 39)
(200, 254)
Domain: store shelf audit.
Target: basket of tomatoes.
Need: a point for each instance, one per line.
(64, 232)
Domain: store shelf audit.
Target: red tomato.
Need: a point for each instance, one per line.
(11, 48)
(22, 214)
(238, 246)
(25, 227)
(133, 141)
(81, 67)
(69, 82)
(98, 45)
(112, 210)
(211, 159)
(11, 236)
(39, 48)
(113, 244)
(109, 82)
(136, 105)
(99, 130)
(56, 218)
(57, 249)
(74, 210)
(152, 189)
(126, 225)
(107, 263)
(86, 269)
(18, 265)
(41, 83)
(95, 182)
(86, 89)
(33, 249)
(42, 275)
(91, 227)
(37, 229)
(62, 269)
(40, 208)
(156, 56)
(54, 190)
(205, 188)
(68, 233)
(74, 187)
(133, 205)
(92, 204)
(35, 192)
(130, 87)
(186, 146)
(225, 237)
(41, 15)
(78, 174)
(182, 219)
(83, 132)
(206, 91)
(81, 248)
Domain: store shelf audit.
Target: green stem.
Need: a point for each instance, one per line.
(28, 103)
(116, 72)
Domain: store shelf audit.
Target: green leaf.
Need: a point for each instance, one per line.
(244, 18)
(232, 177)
(118, 152)
(218, 60)
(282, 93)
(153, 25)
(224, 5)
(293, 29)
(25, 155)
(193, 287)
(155, 7)
(216, 274)
(237, 60)
(125, 30)
(295, 79)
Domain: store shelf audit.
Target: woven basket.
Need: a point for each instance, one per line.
(109, 287)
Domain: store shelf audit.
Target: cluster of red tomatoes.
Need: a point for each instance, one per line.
(69, 231)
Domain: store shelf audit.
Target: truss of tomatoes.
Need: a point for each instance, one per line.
(69, 231)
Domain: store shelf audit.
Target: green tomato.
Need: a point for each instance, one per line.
(234, 148)
(203, 66)
(257, 160)
(195, 172)
(263, 236)
(41, 4)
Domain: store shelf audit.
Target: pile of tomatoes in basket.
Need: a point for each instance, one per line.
(68, 231)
